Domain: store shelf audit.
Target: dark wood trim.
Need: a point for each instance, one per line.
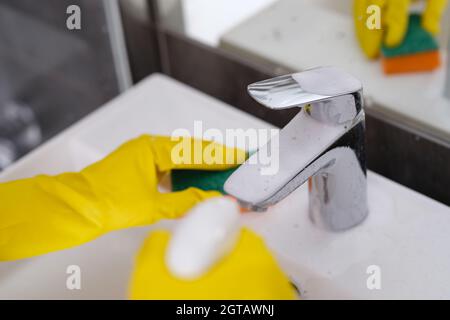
(141, 42)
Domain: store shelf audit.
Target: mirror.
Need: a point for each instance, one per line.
(294, 35)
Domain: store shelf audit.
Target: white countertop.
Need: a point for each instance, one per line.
(301, 34)
(406, 233)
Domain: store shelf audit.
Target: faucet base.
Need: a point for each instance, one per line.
(338, 191)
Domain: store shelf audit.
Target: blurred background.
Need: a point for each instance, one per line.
(51, 76)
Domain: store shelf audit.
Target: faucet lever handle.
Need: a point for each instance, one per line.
(303, 88)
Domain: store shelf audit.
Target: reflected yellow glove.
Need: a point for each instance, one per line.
(248, 272)
(394, 16)
(47, 213)
(432, 15)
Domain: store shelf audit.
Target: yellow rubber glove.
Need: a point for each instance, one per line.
(48, 213)
(248, 272)
(433, 14)
(394, 22)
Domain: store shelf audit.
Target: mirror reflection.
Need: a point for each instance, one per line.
(402, 63)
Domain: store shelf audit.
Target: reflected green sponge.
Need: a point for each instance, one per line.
(418, 52)
(417, 40)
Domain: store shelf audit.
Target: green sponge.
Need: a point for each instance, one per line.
(207, 180)
(417, 40)
(202, 179)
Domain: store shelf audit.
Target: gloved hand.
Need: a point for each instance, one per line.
(394, 20)
(48, 213)
(248, 272)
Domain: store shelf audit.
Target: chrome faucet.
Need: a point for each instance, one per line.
(324, 142)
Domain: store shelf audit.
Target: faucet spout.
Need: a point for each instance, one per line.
(324, 143)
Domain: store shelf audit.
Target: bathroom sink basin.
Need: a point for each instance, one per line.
(403, 238)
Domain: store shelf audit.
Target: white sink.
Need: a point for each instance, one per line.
(405, 234)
